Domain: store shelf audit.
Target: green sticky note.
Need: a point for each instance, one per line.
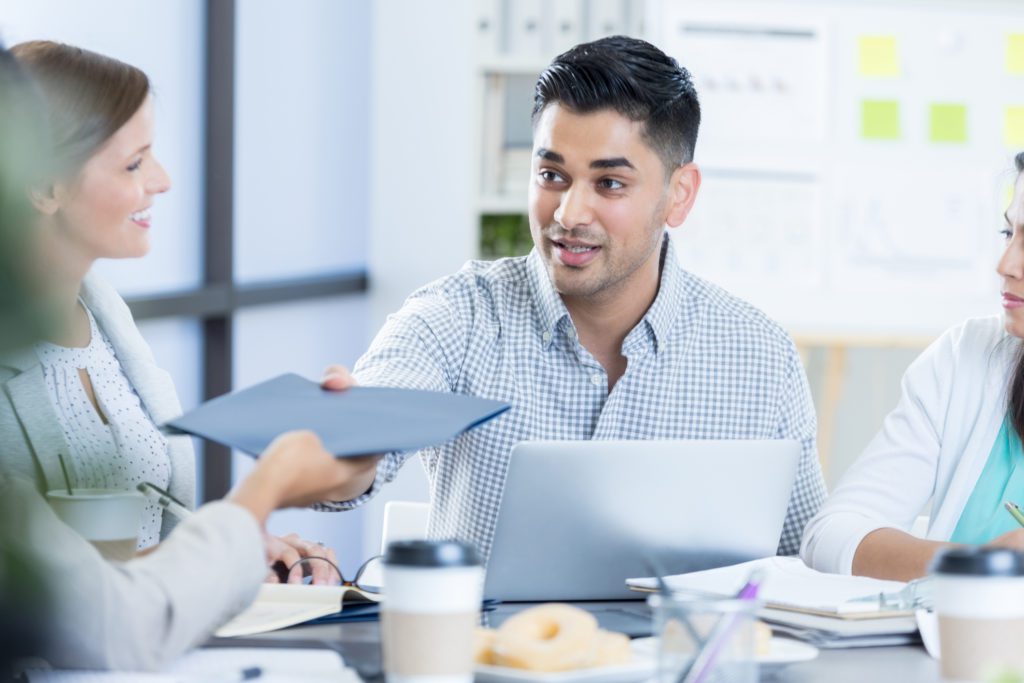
(1015, 54)
(947, 123)
(1013, 127)
(878, 56)
(880, 119)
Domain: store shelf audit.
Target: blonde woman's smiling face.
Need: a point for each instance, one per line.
(104, 210)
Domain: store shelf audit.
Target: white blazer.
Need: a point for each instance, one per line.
(30, 434)
(934, 445)
(140, 614)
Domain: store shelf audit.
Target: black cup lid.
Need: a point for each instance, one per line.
(979, 562)
(431, 554)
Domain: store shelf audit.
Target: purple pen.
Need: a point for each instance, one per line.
(705, 659)
(752, 586)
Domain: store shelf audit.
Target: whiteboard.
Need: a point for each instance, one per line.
(831, 214)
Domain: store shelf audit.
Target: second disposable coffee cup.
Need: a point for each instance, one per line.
(979, 601)
(107, 518)
(430, 611)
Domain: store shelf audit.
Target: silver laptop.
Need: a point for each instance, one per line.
(577, 518)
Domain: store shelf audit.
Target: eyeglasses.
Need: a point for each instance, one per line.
(367, 570)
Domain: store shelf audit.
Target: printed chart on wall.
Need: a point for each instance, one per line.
(857, 159)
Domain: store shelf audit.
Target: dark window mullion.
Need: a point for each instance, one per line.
(218, 228)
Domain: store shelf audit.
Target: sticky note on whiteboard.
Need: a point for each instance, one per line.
(947, 123)
(1015, 54)
(1013, 127)
(878, 56)
(880, 119)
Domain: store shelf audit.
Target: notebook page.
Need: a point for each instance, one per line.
(298, 663)
(280, 605)
(278, 665)
(788, 582)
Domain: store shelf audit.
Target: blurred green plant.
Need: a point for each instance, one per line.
(1004, 675)
(504, 235)
(25, 600)
(22, 163)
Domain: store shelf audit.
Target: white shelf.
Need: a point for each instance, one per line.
(502, 203)
(526, 66)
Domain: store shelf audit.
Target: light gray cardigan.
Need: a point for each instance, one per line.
(30, 434)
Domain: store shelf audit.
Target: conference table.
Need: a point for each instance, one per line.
(359, 644)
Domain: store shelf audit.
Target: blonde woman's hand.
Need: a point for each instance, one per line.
(285, 552)
(296, 471)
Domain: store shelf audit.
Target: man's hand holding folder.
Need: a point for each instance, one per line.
(364, 469)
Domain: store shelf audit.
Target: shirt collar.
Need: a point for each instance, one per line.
(660, 317)
(550, 306)
(664, 311)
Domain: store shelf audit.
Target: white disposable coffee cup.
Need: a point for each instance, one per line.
(979, 601)
(107, 518)
(430, 611)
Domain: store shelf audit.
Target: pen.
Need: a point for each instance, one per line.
(1014, 510)
(702, 664)
(166, 501)
(246, 674)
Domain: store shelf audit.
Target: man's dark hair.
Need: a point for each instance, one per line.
(633, 78)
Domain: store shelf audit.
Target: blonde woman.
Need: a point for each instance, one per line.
(93, 396)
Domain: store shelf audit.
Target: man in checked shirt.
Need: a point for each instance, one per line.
(598, 333)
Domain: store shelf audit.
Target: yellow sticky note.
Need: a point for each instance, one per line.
(880, 119)
(878, 56)
(1015, 54)
(947, 123)
(1013, 127)
(1008, 196)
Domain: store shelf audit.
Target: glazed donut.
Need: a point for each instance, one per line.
(612, 649)
(553, 637)
(483, 645)
(762, 638)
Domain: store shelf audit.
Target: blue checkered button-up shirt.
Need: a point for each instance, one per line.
(701, 365)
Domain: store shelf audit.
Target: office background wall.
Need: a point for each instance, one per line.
(369, 138)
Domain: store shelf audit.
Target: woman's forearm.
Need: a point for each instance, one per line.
(894, 554)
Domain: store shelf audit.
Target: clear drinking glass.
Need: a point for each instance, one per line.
(704, 640)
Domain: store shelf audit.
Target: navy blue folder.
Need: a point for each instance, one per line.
(357, 421)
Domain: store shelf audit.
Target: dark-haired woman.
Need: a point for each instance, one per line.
(953, 440)
(93, 397)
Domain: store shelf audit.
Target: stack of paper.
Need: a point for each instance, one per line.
(820, 608)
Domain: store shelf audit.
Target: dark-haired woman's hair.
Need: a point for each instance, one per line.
(1015, 409)
(89, 97)
(635, 79)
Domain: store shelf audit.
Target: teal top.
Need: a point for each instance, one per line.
(984, 517)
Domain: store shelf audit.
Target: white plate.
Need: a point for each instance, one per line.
(785, 651)
(640, 669)
(782, 652)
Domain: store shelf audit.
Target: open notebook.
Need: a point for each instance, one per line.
(279, 605)
(821, 608)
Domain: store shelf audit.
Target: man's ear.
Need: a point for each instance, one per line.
(46, 198)
(683, 187)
